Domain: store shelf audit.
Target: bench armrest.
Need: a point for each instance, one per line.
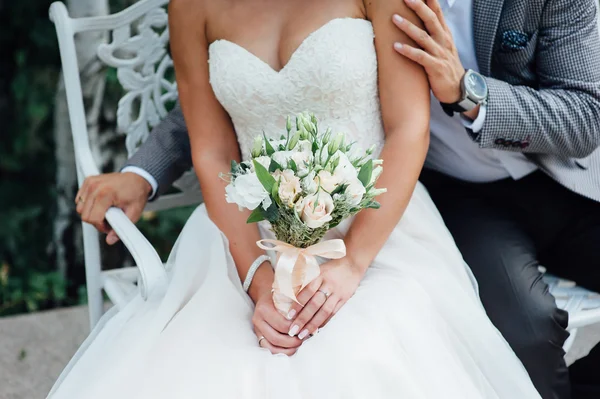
(152, 273)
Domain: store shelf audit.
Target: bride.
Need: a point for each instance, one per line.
(398, 317)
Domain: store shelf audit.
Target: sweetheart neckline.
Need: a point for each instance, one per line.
(302, 44)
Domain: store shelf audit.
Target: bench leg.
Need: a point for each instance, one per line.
(93, 269)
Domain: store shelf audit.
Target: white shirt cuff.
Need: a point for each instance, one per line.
(147, 176)
(477, 124)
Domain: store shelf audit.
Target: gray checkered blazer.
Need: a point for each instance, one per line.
(542, 63)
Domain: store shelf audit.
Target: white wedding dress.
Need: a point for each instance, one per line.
(414, 329)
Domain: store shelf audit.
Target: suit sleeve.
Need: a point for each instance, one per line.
(166, 154)
(562, 115)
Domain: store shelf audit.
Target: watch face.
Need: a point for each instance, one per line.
(476, 85)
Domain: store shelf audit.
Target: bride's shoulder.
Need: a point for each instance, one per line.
(196, 14)
(188, 11)
(373, 7)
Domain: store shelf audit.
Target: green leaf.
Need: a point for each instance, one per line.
(339, 189)
(31, 304)
(256, 216)
(268, 146)
(275, 192)
(373, 205)
(274, 166)
(264, 176)
(272, 213)
(365, 173)
(333, 225)
(234, 166)
(20, 57)
(315, 147)
(292, 165)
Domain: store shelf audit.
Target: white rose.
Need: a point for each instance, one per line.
(345, 171)
(327, 181)
(304, 146)
(308, 183)
(303, 160)
(355, 192)
(289, 186)
(282, 157)
(264, 161)
(247, 192)
(266, 203)
(317, 209)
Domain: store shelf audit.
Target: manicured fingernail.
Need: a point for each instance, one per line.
(291, 314)
(294, 330)
(398, 46)
(398, 18)
(303, 334)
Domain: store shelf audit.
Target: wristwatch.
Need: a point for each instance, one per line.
(474, 92)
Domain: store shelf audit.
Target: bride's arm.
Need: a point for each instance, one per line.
(214, 145)
(212, 137)
(404, 95)
(405, 103)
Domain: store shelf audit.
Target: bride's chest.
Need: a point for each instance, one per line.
(332, 65)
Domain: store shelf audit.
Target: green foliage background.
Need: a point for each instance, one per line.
(29, 71)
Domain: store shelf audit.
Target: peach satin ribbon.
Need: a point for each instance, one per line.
(297, 267)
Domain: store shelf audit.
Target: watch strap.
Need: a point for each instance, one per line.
(448, 109)
(461, 106)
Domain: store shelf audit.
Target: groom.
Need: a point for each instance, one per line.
(513, 166)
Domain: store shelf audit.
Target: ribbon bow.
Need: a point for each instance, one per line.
(297, 267)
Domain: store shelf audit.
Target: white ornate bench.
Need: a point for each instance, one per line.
(137, 49)
(141, 32)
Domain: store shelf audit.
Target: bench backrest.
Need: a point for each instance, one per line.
(137, 49)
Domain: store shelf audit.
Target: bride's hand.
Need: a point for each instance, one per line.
(273, 327)
(324, 297)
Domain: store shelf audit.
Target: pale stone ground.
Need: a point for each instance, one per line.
(35, 348)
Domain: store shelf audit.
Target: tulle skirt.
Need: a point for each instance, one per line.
(414, 329)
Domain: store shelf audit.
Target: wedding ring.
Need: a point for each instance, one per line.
(260, 340)
(327, 294)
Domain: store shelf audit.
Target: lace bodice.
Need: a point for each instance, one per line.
(332, 74)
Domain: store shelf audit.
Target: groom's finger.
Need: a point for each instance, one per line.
(429, 18)
(417, 55)
(435, 6)
(417, 34)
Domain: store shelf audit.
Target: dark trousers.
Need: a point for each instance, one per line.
(505, 230)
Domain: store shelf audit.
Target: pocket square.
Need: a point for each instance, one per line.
(513, 40)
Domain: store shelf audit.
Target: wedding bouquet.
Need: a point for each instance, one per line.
(304, 184)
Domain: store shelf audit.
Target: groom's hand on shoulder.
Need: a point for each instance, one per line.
(127, 191)
(437, 53)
